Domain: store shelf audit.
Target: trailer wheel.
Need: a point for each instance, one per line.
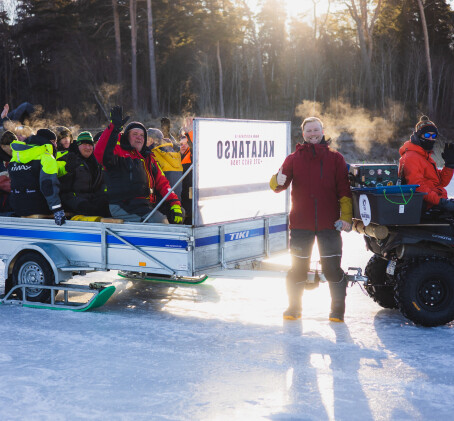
(378, 286)
(33, 268)
(425, 291)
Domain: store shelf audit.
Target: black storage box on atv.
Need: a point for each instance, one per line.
(388, 205)
(373, 175)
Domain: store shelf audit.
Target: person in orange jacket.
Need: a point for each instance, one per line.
(416, 165)
(186, 161)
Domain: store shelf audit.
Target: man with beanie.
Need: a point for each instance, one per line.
(82, 188)
(33, 171)
(416, 165)
(321, 207)
(134, 179)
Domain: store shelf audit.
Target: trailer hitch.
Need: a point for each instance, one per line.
(356, 277)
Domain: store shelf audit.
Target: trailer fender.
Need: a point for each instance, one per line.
(50, 252)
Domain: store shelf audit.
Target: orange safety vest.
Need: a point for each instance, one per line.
(186, 158)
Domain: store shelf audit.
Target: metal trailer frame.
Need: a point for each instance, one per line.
(79, 247)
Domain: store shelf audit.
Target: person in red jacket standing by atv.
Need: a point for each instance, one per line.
(133, 177)
(416, 165)
(321, 207)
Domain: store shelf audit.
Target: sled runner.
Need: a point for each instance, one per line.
(25, 295)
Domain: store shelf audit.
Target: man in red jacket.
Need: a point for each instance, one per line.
(416, 165)
(321, 207)
(134, 180)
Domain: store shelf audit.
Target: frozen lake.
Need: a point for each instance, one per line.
(221, 351)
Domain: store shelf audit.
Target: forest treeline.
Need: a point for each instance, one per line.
(219, 58)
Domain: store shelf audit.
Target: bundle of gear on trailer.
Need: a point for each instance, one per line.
(412, 268)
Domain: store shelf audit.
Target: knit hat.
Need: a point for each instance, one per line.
(97, 136)
(7, 138)
(63, 132)
(42, 137)
(84, 137)
(424, 125)
(46, 134)
(135, 125)
(124, 141)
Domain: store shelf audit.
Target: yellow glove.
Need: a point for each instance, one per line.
(176, 214)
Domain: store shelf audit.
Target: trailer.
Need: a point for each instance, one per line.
(236, 218)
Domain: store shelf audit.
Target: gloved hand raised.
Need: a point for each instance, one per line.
(59, 216)
(281, 178)
(446, 204)
(116, 117)
(176, 214)
(448, 155)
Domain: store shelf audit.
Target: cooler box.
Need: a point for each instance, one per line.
(373, 175)
(392, 205)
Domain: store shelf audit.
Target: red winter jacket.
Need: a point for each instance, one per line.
(417, 167)
(130, 174)
(319, 180)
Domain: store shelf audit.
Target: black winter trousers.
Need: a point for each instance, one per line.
(330, 249)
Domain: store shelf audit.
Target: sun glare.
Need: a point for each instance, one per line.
(294, 8)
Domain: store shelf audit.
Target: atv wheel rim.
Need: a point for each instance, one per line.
(433, 294)
(31, 273)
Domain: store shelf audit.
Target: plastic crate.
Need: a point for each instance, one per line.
(394, 205)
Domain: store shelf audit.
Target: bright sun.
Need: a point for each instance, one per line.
(296, 7)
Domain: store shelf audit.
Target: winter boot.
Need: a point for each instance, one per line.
(337, 311)
(338, 293)
(292, 313)
(295, 293)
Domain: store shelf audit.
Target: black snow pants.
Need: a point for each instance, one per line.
(330, 249)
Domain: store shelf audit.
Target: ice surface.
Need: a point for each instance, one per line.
(221, 351)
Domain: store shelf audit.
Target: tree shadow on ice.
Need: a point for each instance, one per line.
(148, 295)
(323, 376)
(424, 359)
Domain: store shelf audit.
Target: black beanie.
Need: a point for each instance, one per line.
(7, 138)
(46, 134)
(135, 125)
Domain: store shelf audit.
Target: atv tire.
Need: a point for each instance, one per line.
(425, 291)
(378, 285)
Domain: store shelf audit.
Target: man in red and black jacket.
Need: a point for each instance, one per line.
(133, 177)
(321, 207)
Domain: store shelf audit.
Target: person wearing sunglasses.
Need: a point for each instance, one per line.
(416, 165)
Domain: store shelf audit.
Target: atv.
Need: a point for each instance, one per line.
(412, 268)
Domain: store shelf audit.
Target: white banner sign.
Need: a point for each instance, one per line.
(235, 160)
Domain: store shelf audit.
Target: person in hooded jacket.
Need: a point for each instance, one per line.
(416, 165)
(132, 175)
(167, 157)
(321, 207)
(64, 140)
(33, 172)
(82, 188)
